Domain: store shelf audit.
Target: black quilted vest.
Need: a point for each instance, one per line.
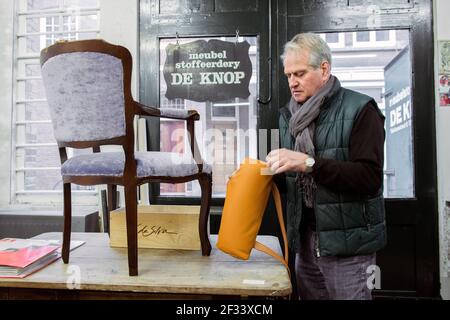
(347, 224)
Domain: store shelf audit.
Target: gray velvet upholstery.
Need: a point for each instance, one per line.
(172, 112)
(148, 164)
(85, 95)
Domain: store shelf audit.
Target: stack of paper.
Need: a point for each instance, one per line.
(21, 257)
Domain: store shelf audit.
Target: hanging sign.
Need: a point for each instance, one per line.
(211, 70)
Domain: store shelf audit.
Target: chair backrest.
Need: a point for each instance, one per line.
(86, 86)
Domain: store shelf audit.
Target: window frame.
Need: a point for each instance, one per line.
(335, 45)
(21, 58)
(372, 40)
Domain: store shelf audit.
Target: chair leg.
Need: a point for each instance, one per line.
(112, 203)
(131, 216)
(67, 222)
(206, 186)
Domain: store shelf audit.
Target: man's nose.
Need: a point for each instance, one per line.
(292, 82)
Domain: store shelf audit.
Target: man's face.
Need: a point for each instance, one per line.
(304, 81)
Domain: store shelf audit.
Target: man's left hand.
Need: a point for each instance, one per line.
(282, 160)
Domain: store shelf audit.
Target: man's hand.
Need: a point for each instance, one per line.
(282, 160)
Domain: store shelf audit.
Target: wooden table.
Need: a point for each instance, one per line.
(97, 271)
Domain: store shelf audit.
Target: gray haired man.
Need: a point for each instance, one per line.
(332, 157)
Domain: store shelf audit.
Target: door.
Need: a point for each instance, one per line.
(402, 31)
(226, 132)
(385, 49)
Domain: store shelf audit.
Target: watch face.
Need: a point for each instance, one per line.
(309, 162)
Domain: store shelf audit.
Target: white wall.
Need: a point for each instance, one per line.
(6, 74)
(119, 25)
(442, 32)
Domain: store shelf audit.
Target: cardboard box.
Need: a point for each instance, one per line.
(159, 226)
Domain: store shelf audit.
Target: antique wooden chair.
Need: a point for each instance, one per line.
(88, 87)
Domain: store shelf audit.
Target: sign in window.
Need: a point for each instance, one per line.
(217, 77)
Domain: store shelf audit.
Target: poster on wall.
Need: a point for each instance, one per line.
(211, 70)
(444, 73)
(444, 90)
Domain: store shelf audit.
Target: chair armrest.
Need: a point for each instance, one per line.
(169, 113)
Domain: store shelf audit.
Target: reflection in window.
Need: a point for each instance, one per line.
(381, 68)
(173, 103)
(363, 36)
(382, 35)
(226, 132)
(334, 40)
(375, 39)
(332, 37)
(224, 112)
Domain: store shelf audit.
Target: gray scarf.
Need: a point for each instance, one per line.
(302, 126)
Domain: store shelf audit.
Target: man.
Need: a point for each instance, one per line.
(332, 155)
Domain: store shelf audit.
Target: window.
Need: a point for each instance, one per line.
(334, 40)
(382, 35)
(384, 73)
(224, 113)
(228, 110)
(175, 103)
(40, 23)
(363, 36)
(374, 39)
(226, 132)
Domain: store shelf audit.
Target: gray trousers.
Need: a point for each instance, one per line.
(330, 278)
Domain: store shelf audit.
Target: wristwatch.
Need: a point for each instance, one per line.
(309, 164)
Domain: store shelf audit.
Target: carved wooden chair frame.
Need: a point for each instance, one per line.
(129, 179)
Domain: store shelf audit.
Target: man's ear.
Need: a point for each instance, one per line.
(326, 69)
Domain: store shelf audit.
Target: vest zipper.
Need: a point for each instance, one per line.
(317, 245)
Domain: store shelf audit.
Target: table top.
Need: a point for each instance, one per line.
(97, 266)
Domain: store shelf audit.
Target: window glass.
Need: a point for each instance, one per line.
(363, 36)
(332, 37)
(382, 35)
(382, 69)
(226, 132)
(39, 24)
